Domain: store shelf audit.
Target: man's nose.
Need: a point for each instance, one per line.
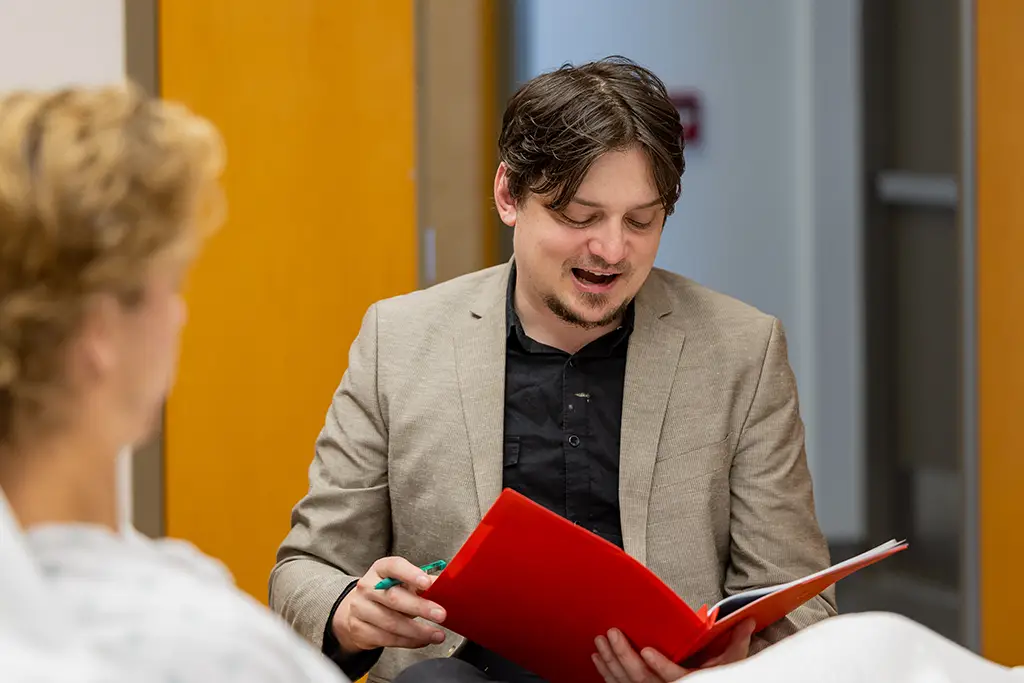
(609, 244)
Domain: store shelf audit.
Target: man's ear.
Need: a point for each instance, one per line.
(503, 200)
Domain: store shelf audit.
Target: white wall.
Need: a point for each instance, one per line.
(48, 43)
(770, 211)
(53, 43)
(832, 263)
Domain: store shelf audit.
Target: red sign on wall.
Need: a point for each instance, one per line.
(688, 102)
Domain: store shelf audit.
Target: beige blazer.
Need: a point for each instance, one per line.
(714, 490)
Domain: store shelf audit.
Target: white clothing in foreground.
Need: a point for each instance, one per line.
(872, 647)
(23, 591)
(32, 650)
(161, 611)
(24, 661)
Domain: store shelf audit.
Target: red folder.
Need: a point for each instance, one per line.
(536, 589)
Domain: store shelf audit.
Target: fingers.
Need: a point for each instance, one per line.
(603, 669)
(368, 633)
(618, 662)
(612, 666)
(395, 623)
(634, 666)
(403, 570)
(400, 599)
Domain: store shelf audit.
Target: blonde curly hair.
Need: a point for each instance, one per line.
(95, 183)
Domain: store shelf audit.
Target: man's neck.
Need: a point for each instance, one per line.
(60, 482)
(543, 326)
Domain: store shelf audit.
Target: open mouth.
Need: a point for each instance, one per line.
(591, 277)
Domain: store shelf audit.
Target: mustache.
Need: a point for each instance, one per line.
(599, 264)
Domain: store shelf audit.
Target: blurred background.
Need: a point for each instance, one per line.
(853, 167)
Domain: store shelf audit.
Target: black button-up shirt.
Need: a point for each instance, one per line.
(563, 417)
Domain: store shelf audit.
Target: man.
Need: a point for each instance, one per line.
(656, 413)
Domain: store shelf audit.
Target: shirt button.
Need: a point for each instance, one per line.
(572, 362)
(574, 441)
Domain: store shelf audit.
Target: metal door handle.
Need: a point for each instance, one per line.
(918, 189)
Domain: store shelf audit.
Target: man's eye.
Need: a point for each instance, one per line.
(579, 224)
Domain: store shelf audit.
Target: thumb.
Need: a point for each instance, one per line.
(748, 628)
(740, 646)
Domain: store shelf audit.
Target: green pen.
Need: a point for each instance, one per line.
(428, 568)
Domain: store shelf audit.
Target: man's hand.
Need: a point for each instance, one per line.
(617, 662)
(368, 618)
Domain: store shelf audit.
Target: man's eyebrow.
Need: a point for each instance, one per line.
(598, 205)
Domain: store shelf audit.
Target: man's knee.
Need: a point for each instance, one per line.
(442, 671)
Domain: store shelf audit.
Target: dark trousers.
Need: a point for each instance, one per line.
(472, 665)
(443, 671)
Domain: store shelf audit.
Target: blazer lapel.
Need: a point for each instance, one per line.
(480, 363)
(654, 349)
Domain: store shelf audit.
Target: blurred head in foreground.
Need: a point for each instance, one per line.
(105, 198)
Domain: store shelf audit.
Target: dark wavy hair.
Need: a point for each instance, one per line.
(557, 124)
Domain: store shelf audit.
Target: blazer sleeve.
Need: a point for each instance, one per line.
(343, 523)
(775, 537)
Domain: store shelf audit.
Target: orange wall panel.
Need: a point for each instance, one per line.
(315, 99)
(1000, 183)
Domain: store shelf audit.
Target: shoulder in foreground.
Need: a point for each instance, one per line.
(195, 630)
(165, 611)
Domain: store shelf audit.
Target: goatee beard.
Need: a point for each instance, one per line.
(566, 314)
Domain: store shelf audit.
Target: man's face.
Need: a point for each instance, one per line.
(588, 261)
